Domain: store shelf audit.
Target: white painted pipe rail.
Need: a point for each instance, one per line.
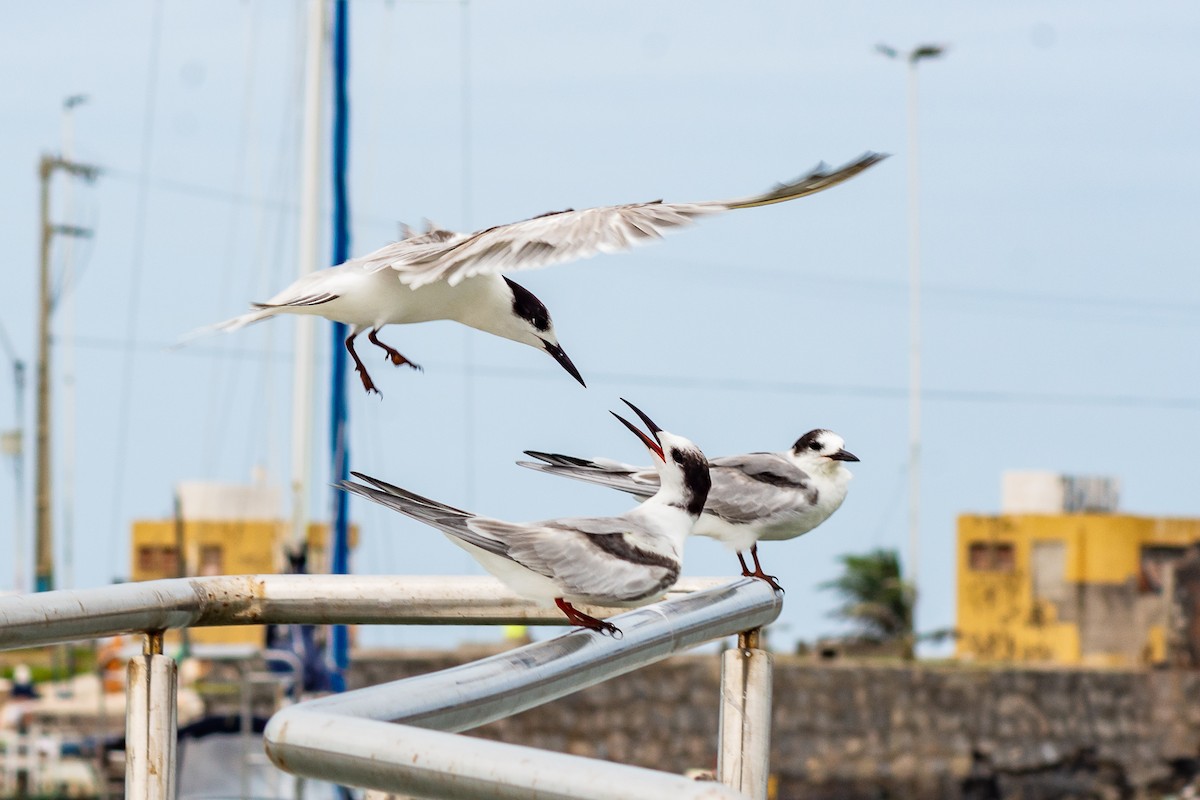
(353, 738)
(350, 738)
(31, 620)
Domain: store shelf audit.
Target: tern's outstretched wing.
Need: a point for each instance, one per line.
(569, 235)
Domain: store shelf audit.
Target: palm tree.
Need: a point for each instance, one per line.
(875, 598)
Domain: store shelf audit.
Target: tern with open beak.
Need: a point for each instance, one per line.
(754, 497)
(625, 560)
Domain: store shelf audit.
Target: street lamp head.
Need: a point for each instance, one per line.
(916, 54)
(926, 51)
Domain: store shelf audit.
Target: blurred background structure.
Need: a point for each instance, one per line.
(1031, 312)
(1058, 308)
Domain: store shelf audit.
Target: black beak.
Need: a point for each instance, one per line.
(563, 361)
(844, 455)
(648, 422)
(650, 443)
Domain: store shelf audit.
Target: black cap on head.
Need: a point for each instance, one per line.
(528, 307)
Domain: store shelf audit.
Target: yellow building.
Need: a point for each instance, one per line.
(224, 530)
(1087, 587)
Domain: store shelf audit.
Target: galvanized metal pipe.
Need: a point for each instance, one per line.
(137, 727)
(162, 728)
(431, 764)
(151, 727)
(346, 737)
(50, 617)
(311, 738)
(743, 758)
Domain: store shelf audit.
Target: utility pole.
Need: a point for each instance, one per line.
(66, 326)
(43, 519)
(912, 58)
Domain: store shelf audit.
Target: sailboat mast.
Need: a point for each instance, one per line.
(339, 428)
(310, 238)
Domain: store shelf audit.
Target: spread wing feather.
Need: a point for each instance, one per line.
(569, 235)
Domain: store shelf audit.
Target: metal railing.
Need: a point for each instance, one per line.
(354, 738)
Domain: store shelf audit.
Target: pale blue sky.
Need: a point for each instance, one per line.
(1059, 203)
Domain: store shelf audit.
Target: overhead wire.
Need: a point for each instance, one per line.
(125, 390)
(274, 257)
(220, 373)
(708, 383)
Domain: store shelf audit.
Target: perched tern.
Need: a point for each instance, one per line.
(756, 496)
(613, 561)
(443, 275)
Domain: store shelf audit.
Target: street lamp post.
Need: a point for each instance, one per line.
(912, 58)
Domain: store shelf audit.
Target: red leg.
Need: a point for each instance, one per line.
(368, 384)
(577, 617)
(392, 352)
(742, 560)
(758, 570)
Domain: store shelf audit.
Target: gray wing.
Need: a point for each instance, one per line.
(588, 557)
(638, 481)
(569, 235)
(758, 487)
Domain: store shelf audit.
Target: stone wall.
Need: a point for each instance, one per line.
(862, 730)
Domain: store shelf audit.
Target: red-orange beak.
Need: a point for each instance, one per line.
(651, 444)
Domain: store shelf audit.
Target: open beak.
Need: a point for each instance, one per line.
(844, 455)
(652, 444)
(564, 362)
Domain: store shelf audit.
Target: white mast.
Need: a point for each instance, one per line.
(67, 315)
(310, 240)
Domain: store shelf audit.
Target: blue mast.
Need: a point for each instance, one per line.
(339, 443)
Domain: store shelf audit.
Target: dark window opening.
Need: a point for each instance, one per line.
(991, 557)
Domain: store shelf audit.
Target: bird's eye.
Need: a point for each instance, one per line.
(677, 456)
(815, 446)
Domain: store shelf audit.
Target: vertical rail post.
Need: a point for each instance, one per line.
(163, 724)
(137, 723)
(151, 722)
(743, 760)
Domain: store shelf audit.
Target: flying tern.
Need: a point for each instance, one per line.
(614, 561)
(755, 496)
(443, 275)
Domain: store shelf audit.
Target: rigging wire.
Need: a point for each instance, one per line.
(709, 383)
(221, 377)
(125, 390)
(273, 224)
(470, 439)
